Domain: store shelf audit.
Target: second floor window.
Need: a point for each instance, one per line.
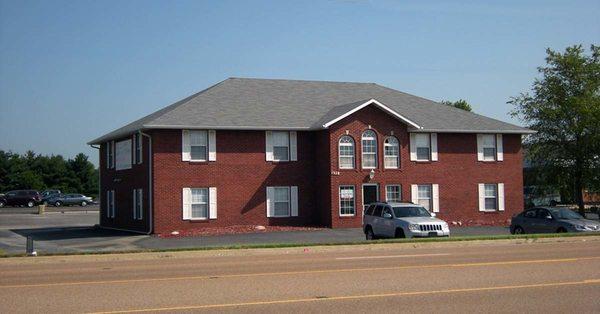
(423, 144)
(198, 145)
(346, 151)
(281, 146)
(489, 147)
(391, 151)
(369, 150)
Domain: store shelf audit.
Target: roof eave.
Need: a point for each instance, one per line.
(521, 131)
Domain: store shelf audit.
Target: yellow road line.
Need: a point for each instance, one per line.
(355, 297)
(283, 273)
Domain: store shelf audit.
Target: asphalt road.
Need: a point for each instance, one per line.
(549, 276)
(50, 209)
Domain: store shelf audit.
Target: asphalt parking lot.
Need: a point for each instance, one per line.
(74, 231)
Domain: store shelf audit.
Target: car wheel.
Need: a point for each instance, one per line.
(369, 234)
(1, 203)
(83, 204)
(518, 230)
(399, 233)
(30, 204)
(57, 204)
(561, 230)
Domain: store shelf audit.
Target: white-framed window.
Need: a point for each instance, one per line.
(489, 147)
(281, 146)
(393, 193)
(346, 152)
(391, 153)
(424, 196)
(110, 204)
(282, 201)
(123, 155)
(491, 196)
(423, 145)
(199, 204)
(347, 200)
(198, 145)
(137, 148)
(369, 149)
(138, 204)
(110, 154)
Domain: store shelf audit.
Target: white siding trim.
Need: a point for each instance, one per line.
(479, 147)
(499, 148)
(294, 201)
(377, 103)
(434, 147)
(186, 149)
(413, 147)
(212, 145)
(414, 193)
(187, 203)
(293, 146)
(212, 201)
(501, 196)
(435, 195)
(269, 146)
(269, 201)
(481, 197)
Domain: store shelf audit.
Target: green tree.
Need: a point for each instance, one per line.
(564, 108)
(460, 104)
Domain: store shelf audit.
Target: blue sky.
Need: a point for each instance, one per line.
(73, 70)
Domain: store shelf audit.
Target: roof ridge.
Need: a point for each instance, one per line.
(292, 80)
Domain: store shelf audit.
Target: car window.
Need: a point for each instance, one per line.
(21, 193)
(11, 194)
(378, 211)
(542, 213)
(370, 210)
(387, 210)
(529, 214)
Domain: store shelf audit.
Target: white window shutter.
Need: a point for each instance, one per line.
(499, 148)
(501, 196)
(294, 200)
(414, 193)
(413, 147)
(134, 204)
(212, 145)
(481, 197)
(107, 203)
(269, 145)
(434, 147)
(270, 198)
(212, 199)
(133, 150)
(435, 195)
(141, 203)
(186, 149)
(293, 146)
(141, 144)
(107, 155)
(187, 203)
(479, 147)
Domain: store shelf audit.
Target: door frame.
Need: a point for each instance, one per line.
(362, 190)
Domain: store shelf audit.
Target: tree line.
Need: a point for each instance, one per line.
(38, 172)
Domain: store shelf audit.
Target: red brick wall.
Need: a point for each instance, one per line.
(457, 171)
(241, 176)
(123, 182)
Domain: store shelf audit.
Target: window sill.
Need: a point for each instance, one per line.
(197, 161)
(347, 216)
(281, 216)
(197, 219)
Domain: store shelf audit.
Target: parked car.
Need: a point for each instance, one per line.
(402, 220)
(551, 220)
(69, 199)
(27, 198)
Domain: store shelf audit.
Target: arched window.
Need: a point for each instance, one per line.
(346, 152)
(369, 150)
(391, 153)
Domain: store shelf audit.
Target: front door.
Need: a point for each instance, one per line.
(370, 195)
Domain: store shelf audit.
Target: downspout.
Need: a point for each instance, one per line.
(99, 178)
(150, 191)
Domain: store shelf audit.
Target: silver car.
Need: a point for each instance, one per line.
(402, 220)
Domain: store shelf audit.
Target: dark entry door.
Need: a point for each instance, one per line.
(370, 195)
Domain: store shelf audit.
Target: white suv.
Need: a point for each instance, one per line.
(402, 220)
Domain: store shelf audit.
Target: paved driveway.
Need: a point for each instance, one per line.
(74, 232)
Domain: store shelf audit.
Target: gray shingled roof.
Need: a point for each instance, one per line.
(259, 104)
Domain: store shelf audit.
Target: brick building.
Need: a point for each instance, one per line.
(283, 152)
